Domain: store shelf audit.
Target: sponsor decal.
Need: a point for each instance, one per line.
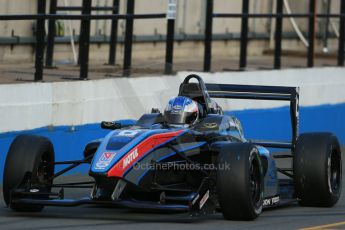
(204, 199)
(271, 201)
(210, 125)
(171, 11)
(130, 158)
(232, 123)
(34, 190)
(177, 107)
(105, 160)
(128, 133)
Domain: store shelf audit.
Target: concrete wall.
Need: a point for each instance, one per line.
(33, 105)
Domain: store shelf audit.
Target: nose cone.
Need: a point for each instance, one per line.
(116, 144)
(121, 149)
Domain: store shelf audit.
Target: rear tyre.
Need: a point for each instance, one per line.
(28, 162)
(240, 187)
(317, 169)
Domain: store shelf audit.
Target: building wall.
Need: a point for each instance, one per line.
(190, 15)
(190, 20)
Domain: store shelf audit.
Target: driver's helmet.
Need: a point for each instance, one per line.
(181, 111)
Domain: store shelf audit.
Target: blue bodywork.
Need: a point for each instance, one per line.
(211, 139)
(121, 142)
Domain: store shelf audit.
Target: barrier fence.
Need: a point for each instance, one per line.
(84, 40)
(86, 16)
(279, 15)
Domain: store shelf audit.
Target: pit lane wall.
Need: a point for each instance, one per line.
(69, 112)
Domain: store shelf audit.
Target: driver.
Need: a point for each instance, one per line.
(181, 111)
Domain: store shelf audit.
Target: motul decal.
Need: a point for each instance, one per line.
(139, 151)
(130, 158)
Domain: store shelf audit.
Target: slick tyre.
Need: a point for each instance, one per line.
(29, 162)
(240, 186)
(317, 169)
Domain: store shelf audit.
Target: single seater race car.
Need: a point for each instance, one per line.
(191, 159)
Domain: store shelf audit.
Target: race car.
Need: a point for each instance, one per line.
(192, 158)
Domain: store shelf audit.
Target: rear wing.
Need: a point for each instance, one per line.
(275, 93)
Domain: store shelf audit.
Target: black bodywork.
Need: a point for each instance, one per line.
(163, 187)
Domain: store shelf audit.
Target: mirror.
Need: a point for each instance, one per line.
(110, 125)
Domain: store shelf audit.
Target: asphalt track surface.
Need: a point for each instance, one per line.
(89, 217)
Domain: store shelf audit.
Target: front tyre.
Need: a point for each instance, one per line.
(29, 161)
(240, 186)
(317, 169)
